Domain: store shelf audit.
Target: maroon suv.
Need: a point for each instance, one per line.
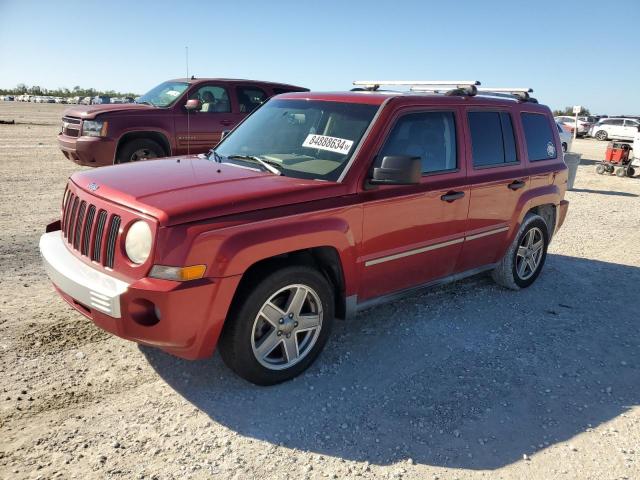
(176, 117)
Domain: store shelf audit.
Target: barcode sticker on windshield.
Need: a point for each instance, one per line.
(331, 144)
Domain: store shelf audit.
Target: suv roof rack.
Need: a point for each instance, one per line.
(520, 94)
(456, 87)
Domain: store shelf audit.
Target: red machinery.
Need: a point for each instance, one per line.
(617, 159)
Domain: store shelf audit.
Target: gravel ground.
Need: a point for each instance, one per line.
(463, 382)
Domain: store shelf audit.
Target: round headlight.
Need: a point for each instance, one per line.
(138, 242)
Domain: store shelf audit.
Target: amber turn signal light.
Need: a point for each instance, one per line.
(179, 274)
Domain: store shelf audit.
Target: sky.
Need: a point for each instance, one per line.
(570, 52)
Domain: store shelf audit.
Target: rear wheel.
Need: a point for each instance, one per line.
(600, 169)
(601, 135)
(620, 172)
(277, 329)
(139, 149)
(525, 257)
(564, 147)
(631, 172)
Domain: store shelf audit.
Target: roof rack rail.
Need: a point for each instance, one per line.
(520, 94)
(457, 87)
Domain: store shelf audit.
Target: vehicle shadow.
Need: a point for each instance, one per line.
(466, 376)
(604, 192)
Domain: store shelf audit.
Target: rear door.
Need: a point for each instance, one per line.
(197, 132)
(412, 234)
(498, 178)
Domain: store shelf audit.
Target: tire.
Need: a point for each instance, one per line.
(564, 147)
(139, 149)
(601, 135)
(247, 330)
(600, 169)
(631, 171)
(508, 272)
(620, 172)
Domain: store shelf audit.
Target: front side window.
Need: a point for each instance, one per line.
(250, 98)
(301, 138)
(539, 137)
(164, 95)
(214, 99)
(428, 135)
(492, 138)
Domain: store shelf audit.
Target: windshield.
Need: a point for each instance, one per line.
(302, 138)
(164, 95)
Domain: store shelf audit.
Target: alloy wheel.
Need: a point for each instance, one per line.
(530, 253)
(287, 327)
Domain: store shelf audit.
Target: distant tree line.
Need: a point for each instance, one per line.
(568, 111)
(76, 91)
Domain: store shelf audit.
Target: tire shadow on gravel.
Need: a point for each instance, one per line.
(466, 376)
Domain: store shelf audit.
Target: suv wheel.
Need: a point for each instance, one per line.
(601, 135)
(525, 257)
(139, 149)
(278, 328)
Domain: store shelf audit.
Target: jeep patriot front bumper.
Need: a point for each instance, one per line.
(182, 318)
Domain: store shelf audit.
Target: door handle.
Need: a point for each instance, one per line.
(451, 196)
(516, 185)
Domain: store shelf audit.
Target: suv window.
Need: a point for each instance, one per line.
(249, 98)
(617, 121)
(214, 98)
(539, 136)
(630, 123)
(428, 135)
(492, 139)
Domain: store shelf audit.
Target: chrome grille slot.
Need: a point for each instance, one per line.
(78, 226)
(65, 209)
(112, 234)
(71, 220)
(96, 254)
(88, 224)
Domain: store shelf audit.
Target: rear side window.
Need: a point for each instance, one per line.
(250, 98)
(492, 138)
(428, 135)
(539, 136)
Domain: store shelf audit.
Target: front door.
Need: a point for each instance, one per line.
(413, 235)
(629, 129)
(198, 131)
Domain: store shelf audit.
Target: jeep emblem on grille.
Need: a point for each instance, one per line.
(93, 187)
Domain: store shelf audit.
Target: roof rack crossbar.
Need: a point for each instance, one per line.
(375, 84)
(520, 94)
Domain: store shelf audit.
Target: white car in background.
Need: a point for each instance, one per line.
(615, 128)
(570, 122)
(565, 137)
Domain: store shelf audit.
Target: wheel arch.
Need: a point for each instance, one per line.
(325, 259)
(156, 135)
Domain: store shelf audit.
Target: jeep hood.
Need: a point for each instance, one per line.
(91, 111)
(178, 190)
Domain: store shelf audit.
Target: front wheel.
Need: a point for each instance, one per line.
(524, 259)
(631, 171)
(139, 149)
(277, 328)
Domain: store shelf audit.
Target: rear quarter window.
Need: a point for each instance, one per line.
(539, 137)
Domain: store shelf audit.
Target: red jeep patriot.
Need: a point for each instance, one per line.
(177, 117)
(316, 206)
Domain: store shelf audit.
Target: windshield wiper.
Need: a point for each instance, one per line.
(266, 165)
(216, 156)
(147, 102)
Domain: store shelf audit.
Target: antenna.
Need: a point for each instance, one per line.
(186, 51)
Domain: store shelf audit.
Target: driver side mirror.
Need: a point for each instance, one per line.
(397, 170)
(193, 105)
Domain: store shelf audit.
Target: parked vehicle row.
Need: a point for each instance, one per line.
(98, 99)
(315, 206)
(615, 129)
